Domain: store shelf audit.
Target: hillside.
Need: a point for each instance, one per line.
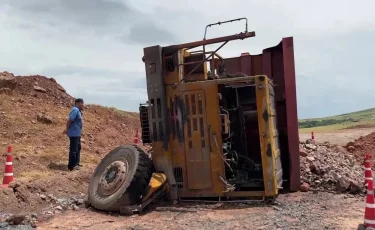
(33, 113)
(359, 119)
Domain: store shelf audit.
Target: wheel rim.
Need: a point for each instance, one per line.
(113, 177)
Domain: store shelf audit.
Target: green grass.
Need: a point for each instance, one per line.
(361, 118)
(132, 114)
(364, 115)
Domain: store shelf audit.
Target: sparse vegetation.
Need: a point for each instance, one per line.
(325, 122)
(363, 118)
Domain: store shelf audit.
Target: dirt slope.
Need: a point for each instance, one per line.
(33, 113)
(361, 146)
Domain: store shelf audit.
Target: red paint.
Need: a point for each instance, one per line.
(8, 172)
(136, 138)
(210, 41)
(370, 209)
(368, 171)
(278, 64)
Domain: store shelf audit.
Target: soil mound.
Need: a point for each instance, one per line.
(361, 146)
(330, 168)
(33, 113)
(40, 87)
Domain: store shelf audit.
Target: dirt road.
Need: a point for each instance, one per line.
(340, 137)
(292, 211)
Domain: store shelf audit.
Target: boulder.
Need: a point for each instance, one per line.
(42, 118)
(302, 151)
(39, 89)
(305, 187)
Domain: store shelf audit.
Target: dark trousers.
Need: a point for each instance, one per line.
(74, 152)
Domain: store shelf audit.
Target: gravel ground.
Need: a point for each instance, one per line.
(340, 137)
(292, 211)
(17, 227)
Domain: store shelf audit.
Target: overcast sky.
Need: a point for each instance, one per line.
(94, 47)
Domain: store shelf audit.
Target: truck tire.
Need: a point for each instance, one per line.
(120, 178)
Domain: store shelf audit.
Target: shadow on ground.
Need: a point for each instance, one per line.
(58, 167)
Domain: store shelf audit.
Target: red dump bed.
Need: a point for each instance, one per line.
(278, 64)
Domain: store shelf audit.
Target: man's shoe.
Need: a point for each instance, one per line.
(79, 165)
(76, 168)
(70, 169)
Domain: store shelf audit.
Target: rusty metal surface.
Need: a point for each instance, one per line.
(158, 114)
(197, 169)
(270, 152)
(190, 45)
(245, 194)
(205, 59)
(196, 141)
(291, 111)
(220, 23)
(156, 94)
(278, 64)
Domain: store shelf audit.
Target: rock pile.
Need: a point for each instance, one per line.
(54, 205)
(6, 76)
(330, 168)
(361, 146)
(39, 87)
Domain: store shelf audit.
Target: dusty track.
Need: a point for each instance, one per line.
(293, 211)
(340, 137)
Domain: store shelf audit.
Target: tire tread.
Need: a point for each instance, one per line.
(137, 187)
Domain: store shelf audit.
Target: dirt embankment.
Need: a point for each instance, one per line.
(361, 146)
(33, 113)
(336, 168)
(327, 167)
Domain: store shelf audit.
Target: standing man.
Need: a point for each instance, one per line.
(73, 130)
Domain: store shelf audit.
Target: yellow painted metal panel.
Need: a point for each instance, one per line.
(214, 134)
(267, 136)
(157, 180)
(196, 141)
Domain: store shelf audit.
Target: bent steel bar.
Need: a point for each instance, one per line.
(211, 41)
(220, 23)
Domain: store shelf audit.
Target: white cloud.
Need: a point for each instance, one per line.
(94, 47)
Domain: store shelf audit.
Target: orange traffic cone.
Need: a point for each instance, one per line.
(135, 140)
(8, 172)
(370, 206)
(368, 171)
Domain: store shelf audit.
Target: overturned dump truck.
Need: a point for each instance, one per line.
(220, 128)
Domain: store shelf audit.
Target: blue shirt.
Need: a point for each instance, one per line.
(75, 128)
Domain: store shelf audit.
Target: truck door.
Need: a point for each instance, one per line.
(196, 141)
(271, 158)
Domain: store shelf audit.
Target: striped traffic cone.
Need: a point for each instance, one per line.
(136, 138)
(368, 171)
(8, 172)
(370, 207)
